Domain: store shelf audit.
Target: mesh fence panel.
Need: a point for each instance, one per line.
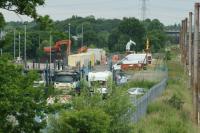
(141, 104)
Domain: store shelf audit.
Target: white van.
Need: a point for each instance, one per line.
(100, 79)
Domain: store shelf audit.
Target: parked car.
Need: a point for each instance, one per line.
(136, 91)
(121, 78)
(38, 83)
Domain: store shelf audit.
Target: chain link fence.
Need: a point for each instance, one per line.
(141, 104)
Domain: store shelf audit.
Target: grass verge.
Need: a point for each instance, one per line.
(172, 112)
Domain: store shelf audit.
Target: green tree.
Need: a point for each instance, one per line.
(156, 34)
(83, 121)
(2, 21)
(2, 24)
(129, 28)
(20, 102)
(155, 24)
(117, 105)
(135, 30)
(90, 37)
(23, 7)
(120, 109)
(113, 39)
(102, 39)
(115, 110)
(45, 23)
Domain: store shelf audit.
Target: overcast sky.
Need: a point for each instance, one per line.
(167, 11)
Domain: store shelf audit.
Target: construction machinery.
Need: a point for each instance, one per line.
(135, 61)
(128, 45)
(82, 50)
(59, 51)
(66, 80)
(57, 47)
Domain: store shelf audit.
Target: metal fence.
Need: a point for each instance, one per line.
(141, 104)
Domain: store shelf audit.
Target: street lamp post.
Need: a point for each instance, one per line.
(19, 45)
(82, 37)
(69, 30)
(50, 39)
(25, 44)
(67, 52)
(50, 51)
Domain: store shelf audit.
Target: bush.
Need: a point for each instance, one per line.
(83, 121)
(175, 102)
(168, 55)
(142, 84)
(157, 107)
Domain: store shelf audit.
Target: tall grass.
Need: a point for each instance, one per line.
(171, 113)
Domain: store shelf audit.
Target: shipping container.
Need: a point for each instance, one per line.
(83, 58)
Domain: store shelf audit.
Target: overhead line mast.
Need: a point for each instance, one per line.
(144, 10)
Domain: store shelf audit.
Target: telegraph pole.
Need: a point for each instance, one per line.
(19, 45)
(25, 44)
(14, 44)
(190, 50)
(196, 43)
(82, 37)
(69, 30)
(50, 51)
(69, 47)
(186, 44)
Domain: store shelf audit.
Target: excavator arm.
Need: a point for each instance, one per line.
(57, 47)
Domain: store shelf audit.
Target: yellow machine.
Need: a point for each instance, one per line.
(147, 45)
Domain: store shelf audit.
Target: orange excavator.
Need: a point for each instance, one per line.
(57, 47)
(82, 49)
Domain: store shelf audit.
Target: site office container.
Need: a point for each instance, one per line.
(83, 59)
(134, 61)
(99, 55)
(138, 66)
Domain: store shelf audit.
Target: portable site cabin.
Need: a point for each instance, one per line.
(133, 61)
(99, 76)
(99, 54)
(83, 58)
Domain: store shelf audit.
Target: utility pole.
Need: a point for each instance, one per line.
(39, 41)
(82, 37)
(50, 51)
(190, 50)
(69, 47)
(186, 44)
(14, 44)
(181, 41)
(196, 43)
(25, 44)
(69, 30)
(19, 45)
(1, 33)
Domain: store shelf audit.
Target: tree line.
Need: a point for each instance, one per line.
(110, 34)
